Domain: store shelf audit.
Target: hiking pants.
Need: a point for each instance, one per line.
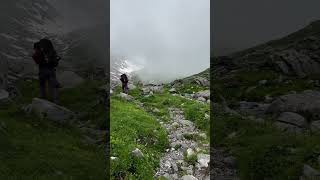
(48, 76)
(125, 88)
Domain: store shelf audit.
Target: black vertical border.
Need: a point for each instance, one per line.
(107, 98)
(212, 136)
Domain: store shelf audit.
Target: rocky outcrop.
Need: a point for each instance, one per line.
(53, 112)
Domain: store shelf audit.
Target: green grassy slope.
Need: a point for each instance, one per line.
(130, 123)
(38, 149)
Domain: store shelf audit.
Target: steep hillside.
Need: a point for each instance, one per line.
(266, 103)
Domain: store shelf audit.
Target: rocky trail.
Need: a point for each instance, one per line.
(177, 161)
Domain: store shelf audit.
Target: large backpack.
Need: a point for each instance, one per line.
(124, 78)
(50, 53)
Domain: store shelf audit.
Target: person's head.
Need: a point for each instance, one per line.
(36, 46)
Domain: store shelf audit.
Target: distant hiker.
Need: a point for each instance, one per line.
(47, 59)
(124, 80)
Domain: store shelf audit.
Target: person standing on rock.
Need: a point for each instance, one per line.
(47, 59)
(124, 80)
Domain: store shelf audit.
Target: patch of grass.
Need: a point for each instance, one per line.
(33, 148)
(37, 148)
(132, 128)
(262, 151)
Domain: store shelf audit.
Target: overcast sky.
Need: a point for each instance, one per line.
(169, 37)
(242, 24)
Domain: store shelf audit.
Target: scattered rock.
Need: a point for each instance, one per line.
(48, 110)
(125, 97)
(137, 153)
(69, 79)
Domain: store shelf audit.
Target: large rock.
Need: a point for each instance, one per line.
(292, 119)
(204, 94)
(69, 79)
(4, 96)
(307, 102)
(48, 110)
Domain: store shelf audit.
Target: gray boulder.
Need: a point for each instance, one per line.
(48, 110)
(205, 94)
(4, 96)
(69, 79)
(137, 153)
(292, 119)
(307, 102)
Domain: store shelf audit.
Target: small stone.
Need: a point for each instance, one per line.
(156, 110)
(203, 160)
(263, 82)
(190, 152)
(173, 90)
(137, 153)
(114, 158)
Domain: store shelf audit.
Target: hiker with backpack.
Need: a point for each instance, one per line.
(124, 80)
(47, 59)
